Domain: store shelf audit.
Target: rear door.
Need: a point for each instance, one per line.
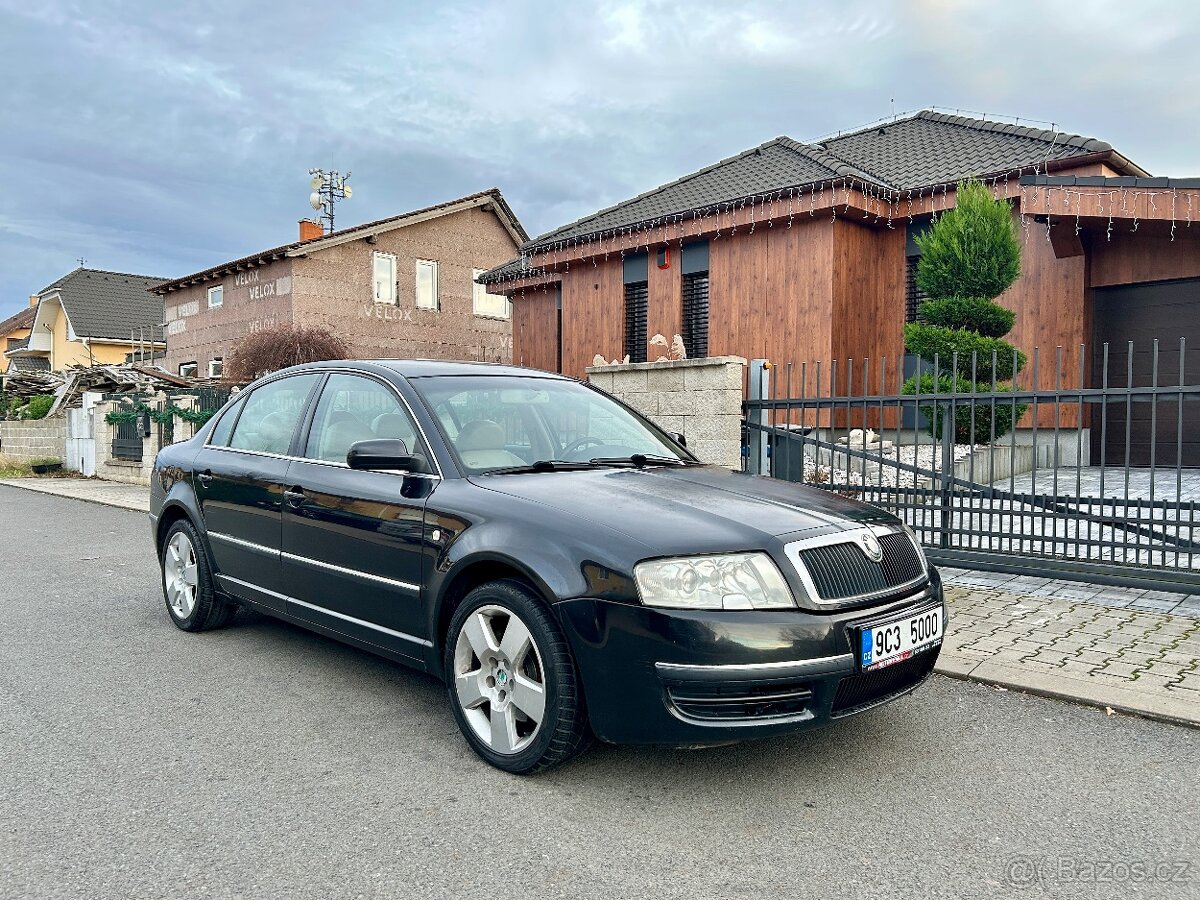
(239, 480)
(352, 541)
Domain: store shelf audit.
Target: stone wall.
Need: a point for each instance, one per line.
(33, 439)
(699, 398)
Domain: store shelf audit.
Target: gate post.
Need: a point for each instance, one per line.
(945, 517)
(758, 387)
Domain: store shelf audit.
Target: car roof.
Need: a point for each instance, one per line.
(424, 368)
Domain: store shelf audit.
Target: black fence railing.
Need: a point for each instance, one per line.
(1099, 480)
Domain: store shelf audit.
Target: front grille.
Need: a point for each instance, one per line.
(731, 702)
(842, 571)
(867, 688)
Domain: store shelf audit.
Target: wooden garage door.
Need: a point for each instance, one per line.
(1168, 311)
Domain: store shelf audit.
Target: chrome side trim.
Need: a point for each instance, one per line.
(342, 570)
(329, 612)
(345, 618)
(253, 587)
(246, 545)
(850, 536)
(821, 664)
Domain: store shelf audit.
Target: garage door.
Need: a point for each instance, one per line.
(1168, 311)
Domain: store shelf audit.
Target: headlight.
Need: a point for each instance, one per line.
(729, 581)
(916, 543)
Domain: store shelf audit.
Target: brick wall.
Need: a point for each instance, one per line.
(334, 288)
(24, 441)
(699, 398)
(251, 299)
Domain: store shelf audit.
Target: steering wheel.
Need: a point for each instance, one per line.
(581, 443)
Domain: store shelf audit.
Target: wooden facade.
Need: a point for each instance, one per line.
(801, 286)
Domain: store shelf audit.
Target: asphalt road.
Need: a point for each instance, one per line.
(136, 760)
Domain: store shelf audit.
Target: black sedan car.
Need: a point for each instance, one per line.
(568, 569)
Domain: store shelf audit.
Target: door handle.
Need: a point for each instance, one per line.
(294, 496)
(205, 478)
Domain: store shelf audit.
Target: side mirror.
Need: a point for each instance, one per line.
(678, 438)
(385, 455)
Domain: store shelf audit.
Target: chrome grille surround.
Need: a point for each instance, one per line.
(862, 578)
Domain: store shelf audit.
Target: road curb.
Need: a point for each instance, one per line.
(1076, 690)
(84, 498)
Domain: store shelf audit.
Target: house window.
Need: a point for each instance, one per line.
(636, 296)
(494, 306)
(913, 295)
(695, 314)
(188, 370)
(427, 284)
(216, 367)
(385, 278)
(216, 296)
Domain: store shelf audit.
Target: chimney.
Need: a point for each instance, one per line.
(33, 299)
(310, 230)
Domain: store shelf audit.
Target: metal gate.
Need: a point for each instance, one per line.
(1031, 501)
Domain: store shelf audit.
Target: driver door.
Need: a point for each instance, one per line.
(352, 542)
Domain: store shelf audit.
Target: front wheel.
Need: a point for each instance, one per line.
(512, 681)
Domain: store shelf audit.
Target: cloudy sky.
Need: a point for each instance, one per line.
(161, 138)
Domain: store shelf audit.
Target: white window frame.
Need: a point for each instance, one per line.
(193, 370)
(480, 295)
(216, 361)
(435, 300)
(390, 296)
(217, 290)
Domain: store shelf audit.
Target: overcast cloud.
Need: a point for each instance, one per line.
(160, 138)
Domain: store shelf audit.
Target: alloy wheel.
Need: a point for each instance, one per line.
(499, 679)
(180, 575)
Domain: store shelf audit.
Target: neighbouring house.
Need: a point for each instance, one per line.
(398, 287)
(799, 253)
(14, 334)
(89, 317)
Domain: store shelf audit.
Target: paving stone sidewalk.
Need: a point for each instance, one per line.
(1132, 650)
(1127, 659)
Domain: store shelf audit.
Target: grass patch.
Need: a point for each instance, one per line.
(11, 467)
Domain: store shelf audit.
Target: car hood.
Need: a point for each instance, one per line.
(690, 509)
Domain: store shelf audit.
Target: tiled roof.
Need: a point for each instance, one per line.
(924, 149)
(933, 148)
(29, 364)
(23, 319)
(108, 305)
(493, 195)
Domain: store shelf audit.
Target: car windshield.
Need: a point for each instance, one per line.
(514, 423)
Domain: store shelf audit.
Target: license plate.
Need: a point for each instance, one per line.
(900, 639)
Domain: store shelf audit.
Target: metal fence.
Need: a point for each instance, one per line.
(1098, 480)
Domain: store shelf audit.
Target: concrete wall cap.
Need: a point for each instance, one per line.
(668, 364)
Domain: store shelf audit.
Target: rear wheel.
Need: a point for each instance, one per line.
(512, 680)
(191, 596)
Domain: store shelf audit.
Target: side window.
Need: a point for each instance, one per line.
(271, 413)
(352, 409)
(220, 432)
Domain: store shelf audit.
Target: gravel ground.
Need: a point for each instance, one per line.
(139, 761)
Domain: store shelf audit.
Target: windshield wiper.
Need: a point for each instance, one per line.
(548, 465)
(641, 460)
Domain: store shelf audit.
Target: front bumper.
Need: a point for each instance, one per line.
(658, 676)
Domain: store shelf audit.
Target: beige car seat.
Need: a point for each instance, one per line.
(480, 445)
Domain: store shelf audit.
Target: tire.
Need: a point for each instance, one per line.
(187, 582)
(493, 674)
